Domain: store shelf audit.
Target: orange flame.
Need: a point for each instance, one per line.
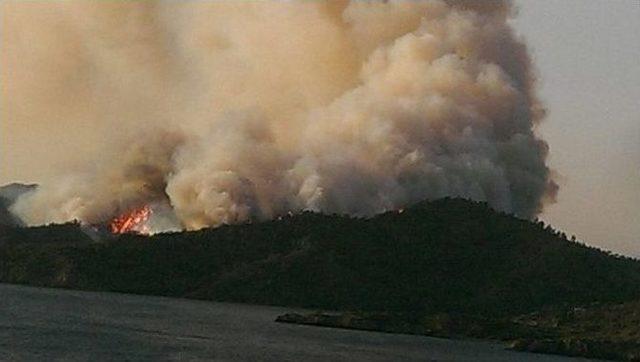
(133, 221)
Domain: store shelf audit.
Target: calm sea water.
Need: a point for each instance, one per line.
(48, 324)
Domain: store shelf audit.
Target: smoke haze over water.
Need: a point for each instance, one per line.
(223, 112)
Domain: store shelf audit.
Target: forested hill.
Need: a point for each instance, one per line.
(449, 255)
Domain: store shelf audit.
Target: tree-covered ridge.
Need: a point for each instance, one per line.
(449, 255)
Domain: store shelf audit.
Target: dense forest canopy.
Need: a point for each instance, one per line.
(449, 255)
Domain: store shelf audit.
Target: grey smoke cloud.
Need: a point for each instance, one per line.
(223, 112)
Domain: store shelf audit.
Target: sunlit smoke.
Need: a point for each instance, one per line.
(224, 112)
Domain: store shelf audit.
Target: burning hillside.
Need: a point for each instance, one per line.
(132, 221)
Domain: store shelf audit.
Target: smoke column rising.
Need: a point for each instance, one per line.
(223, 112)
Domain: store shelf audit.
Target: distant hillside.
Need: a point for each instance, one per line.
(6, 218)
(449, 255)
(8, 195)
(12, 191)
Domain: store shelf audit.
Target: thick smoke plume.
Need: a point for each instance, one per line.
(224, 112)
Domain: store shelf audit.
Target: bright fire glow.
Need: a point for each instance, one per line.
(133, 221)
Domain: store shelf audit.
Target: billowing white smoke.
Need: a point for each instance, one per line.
(233, 111)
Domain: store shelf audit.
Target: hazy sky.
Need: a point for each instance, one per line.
(588, 59)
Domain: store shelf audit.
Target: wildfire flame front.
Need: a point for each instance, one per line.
(133, 221)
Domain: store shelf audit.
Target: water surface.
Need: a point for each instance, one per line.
(51, 324)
